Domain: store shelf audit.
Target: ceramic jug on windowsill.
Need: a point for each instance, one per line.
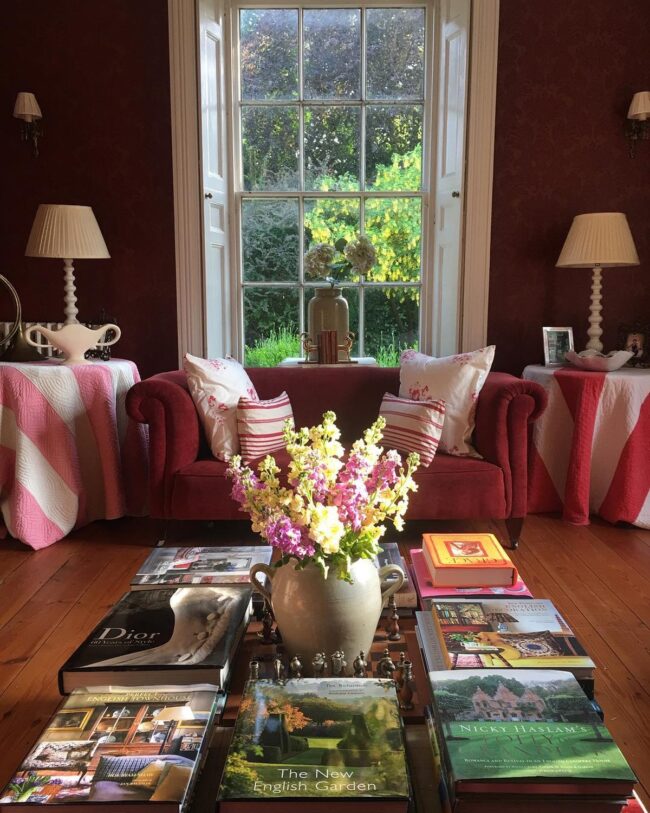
(74, 340)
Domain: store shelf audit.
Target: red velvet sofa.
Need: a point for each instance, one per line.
(186, 482)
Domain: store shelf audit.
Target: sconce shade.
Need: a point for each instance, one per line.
(67, 232)
(26, 107)
(640, 106)
(598, 239)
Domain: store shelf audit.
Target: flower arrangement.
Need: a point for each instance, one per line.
(23, 786)
(324, 261)
(331, 511)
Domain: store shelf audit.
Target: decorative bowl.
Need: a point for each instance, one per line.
(598, 362)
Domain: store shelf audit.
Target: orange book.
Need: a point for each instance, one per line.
(467, 560)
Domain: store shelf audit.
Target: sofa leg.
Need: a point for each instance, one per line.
(514, 526)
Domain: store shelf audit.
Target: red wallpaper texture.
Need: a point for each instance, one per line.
(567, 72)
(100, 71)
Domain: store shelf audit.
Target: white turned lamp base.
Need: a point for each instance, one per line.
(70, 300)
(595, 312)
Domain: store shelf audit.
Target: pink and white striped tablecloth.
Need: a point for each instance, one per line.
(69, 454)
(591, 447)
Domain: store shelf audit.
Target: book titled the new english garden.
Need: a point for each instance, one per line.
(316, 739)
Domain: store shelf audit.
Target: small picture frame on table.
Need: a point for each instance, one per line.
(558, 341)
(635, 338)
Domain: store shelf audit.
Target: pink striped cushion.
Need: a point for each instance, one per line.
(260, 425)
(412, 426)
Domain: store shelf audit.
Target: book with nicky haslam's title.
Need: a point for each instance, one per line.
(118, 748)
(303, 743)
(467, 560)
(153, 637)
(527, 732)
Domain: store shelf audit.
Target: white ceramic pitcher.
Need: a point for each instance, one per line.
(73, 340)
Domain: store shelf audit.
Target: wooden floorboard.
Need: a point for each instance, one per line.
(598, 576)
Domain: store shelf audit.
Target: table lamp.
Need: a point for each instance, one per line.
(598, 240)
(66, 232)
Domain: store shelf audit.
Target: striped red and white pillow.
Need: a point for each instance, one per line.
(412, 426)
(260, 425)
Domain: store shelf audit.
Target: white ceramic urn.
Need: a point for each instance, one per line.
(315, 614)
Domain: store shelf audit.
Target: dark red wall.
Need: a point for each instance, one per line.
(100, 71)
(567, 72)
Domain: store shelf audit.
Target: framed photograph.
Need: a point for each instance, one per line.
(635, 337)
(557, 343)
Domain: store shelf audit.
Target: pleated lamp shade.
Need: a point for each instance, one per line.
(598, 239)
(67, 232)
(27, 107)
(640, 106)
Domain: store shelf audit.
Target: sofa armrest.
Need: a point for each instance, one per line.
(164, 403)
(506, 407)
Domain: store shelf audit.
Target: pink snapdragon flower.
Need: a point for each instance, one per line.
(281, 532)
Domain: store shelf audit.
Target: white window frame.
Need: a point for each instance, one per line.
(184, 79)
(428, 165)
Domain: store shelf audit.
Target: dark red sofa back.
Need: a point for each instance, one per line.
(353, 392)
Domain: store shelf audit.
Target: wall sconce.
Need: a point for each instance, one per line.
(27, 109)
(637, 125)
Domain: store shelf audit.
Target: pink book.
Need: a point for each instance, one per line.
(426, 589)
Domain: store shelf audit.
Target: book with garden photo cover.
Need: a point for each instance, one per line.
(309, 741)
(525, 731)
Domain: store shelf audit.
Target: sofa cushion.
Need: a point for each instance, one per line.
(451, 487)
(216, 385)
(457, 380)
(260, 425)
(412, 426)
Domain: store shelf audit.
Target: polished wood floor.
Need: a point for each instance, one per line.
(598, 576)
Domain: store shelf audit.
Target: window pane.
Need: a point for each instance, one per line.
(394, 148)
(332, 54)
(269, 54)
(394, 227)
(270, 244)
(395, 53)
(271, 325)
(352, 296)
(329, 219)
(392, 323)
(269, 137)
(332, 136)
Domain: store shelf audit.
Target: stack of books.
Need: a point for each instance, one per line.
(513, 722)
(144, 689)
(524, 740)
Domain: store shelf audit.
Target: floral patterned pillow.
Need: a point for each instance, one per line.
(456, 380)
(216, 385)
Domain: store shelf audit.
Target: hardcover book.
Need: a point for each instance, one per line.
(302, 743)
(118, 748)
(405, 597)
(525, 731)
(467, 560)
(199, 566)
(506, 633)
(152, 637)
(427, 590)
